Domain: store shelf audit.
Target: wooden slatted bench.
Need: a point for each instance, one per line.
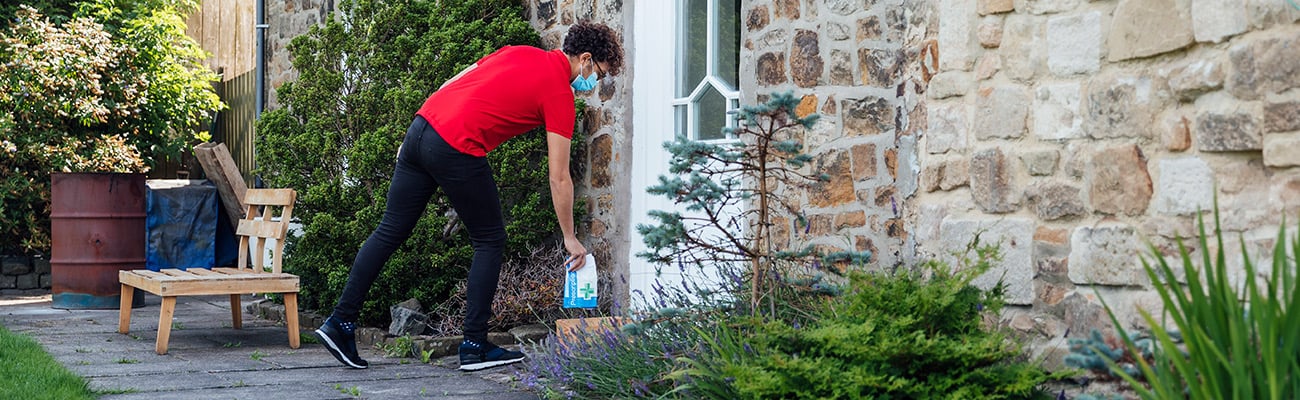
(243, 279)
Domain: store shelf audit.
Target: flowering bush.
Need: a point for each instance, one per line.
(106, 91)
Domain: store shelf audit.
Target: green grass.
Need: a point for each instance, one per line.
(28, 372)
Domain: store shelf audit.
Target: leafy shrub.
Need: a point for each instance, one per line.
(106, 91)
(362, 76)
(1239, 339)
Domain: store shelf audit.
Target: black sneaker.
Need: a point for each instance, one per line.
(341, 340)
(475, 355)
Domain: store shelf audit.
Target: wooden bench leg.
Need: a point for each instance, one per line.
(124, 309)
(291, 318)
(236, 317)
(165, 324)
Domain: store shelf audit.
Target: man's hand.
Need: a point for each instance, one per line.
(577, 254)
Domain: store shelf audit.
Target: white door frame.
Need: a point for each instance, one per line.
(653, 38)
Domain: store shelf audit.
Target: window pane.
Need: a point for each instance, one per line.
(692, 45)
(679, 112)
(711, 114)
(728, 62)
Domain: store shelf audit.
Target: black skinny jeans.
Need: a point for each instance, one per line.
(425, 163)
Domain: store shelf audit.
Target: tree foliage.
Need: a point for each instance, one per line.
(108, 90)
(362, 76)
(732, 194)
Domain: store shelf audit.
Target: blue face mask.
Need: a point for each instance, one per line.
(583, 84)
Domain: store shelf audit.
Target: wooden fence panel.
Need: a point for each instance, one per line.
(234, 125)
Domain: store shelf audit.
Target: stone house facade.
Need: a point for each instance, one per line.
(1069, 132)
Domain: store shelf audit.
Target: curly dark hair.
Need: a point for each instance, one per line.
(599, 40)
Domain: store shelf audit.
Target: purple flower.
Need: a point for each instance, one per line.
(979, 307)
(748, 349)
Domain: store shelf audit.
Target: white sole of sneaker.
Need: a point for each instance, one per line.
(488, 364)
(334, 349)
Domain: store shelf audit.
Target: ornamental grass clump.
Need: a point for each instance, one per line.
(1239, 338)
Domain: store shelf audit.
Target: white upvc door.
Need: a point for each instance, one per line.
(686, 80)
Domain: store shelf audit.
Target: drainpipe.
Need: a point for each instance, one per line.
(259, 98)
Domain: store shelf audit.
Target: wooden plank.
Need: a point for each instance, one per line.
(221, 170)
(165, 324)
(226, 49)
(269, 197)
(226, 287)
(145, 274)
(262, 229)
(149, 285)
(203, 272)
(176, 273)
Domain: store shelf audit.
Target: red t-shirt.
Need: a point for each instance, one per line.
(511, 91)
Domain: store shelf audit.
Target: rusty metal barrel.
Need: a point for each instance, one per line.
(96, 229)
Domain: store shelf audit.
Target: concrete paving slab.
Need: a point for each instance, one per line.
(207, 359)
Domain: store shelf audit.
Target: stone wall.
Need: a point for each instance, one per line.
(286, 19)
(1072, 131)
(608, 126)
(24, 273)
(859, 68)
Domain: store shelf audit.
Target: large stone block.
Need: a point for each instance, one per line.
(1264, 66)
(864, 161)
(1282, 149)
(1014, 238)
(1055, 200)
(945, 174)
(774, 39)
(15, 266)
(879, 68)
(758, 18)
(1106, 254)
(867, 116)
(956, 25)
(839, 189)
(841, 68)
(602, 154)
(1176, 130)
(869, 28)
(771, 69)
(990, 32)
(1021, 49)
(8, 282)
(1265, 14)
(1057, 112)
(949, 84)
(1121, 107)
(1222, 125)
(837, 31)
(1186, 185)
(947, 127)
(1215, 20)
(1134, 22)
(985, 7)
(1001, 112)
(1118, 181)
(805, 59)
(1282, 117)
(27, 281)
(1074, 44)
(844, 7)
(1050, 6)
(1192, 78)
(788, 9)
(992, 182)
(1040, 162)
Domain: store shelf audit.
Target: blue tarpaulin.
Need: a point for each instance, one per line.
(181, 224)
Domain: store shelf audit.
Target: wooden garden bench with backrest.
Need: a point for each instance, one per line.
(243, 279)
